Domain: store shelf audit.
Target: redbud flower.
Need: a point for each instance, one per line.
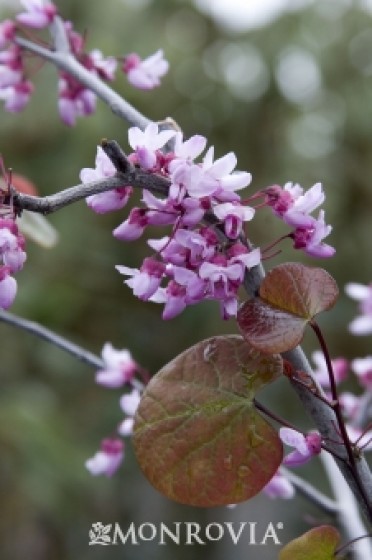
(279, 487)
(7, 32)
(114, 199)
(16, 96)
(309, 237)
(306, 446)
(8, 288)
(108, 459)
(363, 323)
(362, 367)
(129, 404)
(145, 74)
(38, 13)
(339, 366)
(119, 367)
(147, 142)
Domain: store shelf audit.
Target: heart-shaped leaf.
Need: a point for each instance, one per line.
(197, 435)
(317, 544)
(290, 296)
(301, 290)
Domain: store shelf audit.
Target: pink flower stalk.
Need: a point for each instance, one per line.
(39, 14)
(305, 446)
(108, 459)
(145, 74)
(119, 368)
(363, 294)
(279, 487)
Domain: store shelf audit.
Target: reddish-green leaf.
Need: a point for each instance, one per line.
(290, 296)
(299, 289)
(319, 543)
(197, 435)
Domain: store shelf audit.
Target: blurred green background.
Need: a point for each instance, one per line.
(293, 99)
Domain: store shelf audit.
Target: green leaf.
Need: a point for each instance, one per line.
(197, 435)
(290, 296)
(319, 543)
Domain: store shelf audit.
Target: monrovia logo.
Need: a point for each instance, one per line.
(185, 533)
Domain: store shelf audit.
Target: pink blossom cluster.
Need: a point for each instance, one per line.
(74, 99)
(194, 262)
(12, 257)
(118, 370)
(205, 257)
(294, 207)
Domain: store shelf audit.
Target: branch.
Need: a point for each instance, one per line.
(50, 336)
(347, 511)
(309, 491)
(54, 202)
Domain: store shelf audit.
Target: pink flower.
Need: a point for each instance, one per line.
(362, 367)
(145, 74)
(16, 96)
(134, 226)
(7, 32)
(74, 99)
(146, 143)
(363, 323)
(129, 402)
(109, 200)
(339, 366)
(119, 367)
(146, 281)
(279, 487)
(108, 459)
(38, 14)
(305, 446)
(233, 216)
(105, 68)
(220, 174)
(8, 288)
(309, 237)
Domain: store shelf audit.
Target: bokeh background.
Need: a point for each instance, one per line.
(286, 85)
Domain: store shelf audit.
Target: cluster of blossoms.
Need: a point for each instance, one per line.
(74, 99)
(206, 256)
(119, 370)
(294, 207)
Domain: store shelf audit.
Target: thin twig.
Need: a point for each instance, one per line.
(50, 336)
(52, 203)
(314, 495)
